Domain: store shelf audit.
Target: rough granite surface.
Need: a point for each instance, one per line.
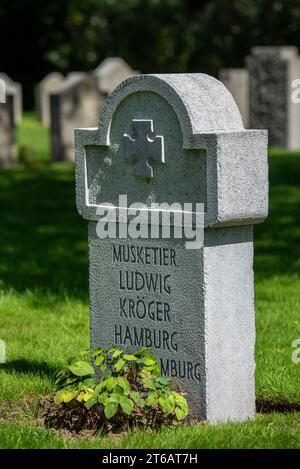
(272, 71)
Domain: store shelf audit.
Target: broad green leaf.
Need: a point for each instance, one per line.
(165, 404)
(117, 353)
(64, 395)
(141, 351)
(86, 383)
(81, 368)
(84, 396)
(115, 396)
(135, 396)
(180, 401)
(149, 384)
(149, 360)
(88, 394)
(172, 398)
(104, 369)
(97, 351)
(119, 365)
(91, 401)
(155, 370)
(100, 386)
(89, 382)
(123, 383)
(111, 383)
(146, 374)
(99, 360)
(129, 358)
(118, 390)
(180, 413)
(163, 380)
(126, 404)
(152, 399)
(103, 398)
(110, 409)
(58, 397)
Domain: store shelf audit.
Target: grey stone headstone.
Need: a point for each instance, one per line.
(236, 81)
(111, 72)
(2, 351)
(42, 95)
(77, 101)
(272, 71)
(194, 308)
(14, 89)
(8, 147)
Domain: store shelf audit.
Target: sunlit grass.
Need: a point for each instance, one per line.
(34, 137)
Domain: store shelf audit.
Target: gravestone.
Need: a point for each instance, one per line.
(177, 139)
(8, 147)
(111, 72)
(75, 102)
(2, 351)
(236, 81)
(42, 95)
(14, 89)
(272, 71)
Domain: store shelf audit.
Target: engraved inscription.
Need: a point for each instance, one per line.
(145, 307)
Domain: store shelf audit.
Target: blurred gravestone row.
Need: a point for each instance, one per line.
(262, 91)
(76, 102)
(10, 114)
(62, 103)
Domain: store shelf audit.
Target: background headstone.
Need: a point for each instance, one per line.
(75, 102)
(2, 351)
(111, 72)
(42, 95)
(8, 147)
(15, 90)
(272, 71)
(198, 315)
(236, 81)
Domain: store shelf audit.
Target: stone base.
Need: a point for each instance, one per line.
(193, 308)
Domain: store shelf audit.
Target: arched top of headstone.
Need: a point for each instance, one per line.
(6, 78)
(111, 72)
(173, 138)
(56, 76)
(12, 87)
(109, 65)
(201, 102)
(73, 80)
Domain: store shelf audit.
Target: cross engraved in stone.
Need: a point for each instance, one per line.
(144, 148)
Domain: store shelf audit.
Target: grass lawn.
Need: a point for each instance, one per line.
(44, 306)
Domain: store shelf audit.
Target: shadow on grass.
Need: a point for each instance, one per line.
(277, 246)
(269, 405)
(43, 239)
(23, 366)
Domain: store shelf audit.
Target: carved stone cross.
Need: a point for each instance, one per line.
(146, 147)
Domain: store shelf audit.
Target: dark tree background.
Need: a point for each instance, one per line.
(39, 36)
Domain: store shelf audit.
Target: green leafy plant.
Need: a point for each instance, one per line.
(125, 389)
